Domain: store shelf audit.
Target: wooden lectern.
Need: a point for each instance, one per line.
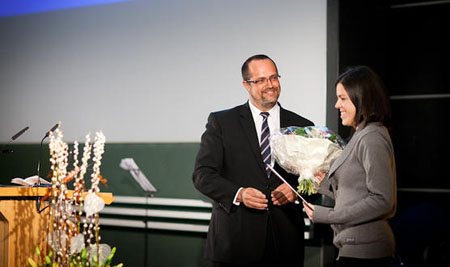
(22, 227)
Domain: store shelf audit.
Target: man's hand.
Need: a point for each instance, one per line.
(282, 195)
(252, 198)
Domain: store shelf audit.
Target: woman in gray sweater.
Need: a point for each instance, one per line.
(362, 179)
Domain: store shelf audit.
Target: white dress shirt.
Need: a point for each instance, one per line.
(273, 120)
(274, 124)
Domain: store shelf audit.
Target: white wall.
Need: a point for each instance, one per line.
(152, 70)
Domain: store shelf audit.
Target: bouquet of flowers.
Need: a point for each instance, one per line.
(304, 151)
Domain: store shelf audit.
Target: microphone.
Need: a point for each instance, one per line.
(6, 151)
(51, 130)
(20, 133)
(38, 202)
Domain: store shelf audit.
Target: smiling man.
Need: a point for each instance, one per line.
(261, 80)
(254, 219)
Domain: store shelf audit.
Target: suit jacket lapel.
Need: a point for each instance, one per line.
(285, 120)
(248, 125)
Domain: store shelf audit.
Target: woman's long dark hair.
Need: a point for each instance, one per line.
(369, 95)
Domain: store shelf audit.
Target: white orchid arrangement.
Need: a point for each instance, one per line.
(74, 240)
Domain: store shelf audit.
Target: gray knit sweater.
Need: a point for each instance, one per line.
(362, 181)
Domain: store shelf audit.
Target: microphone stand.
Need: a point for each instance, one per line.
(38, 203)
(39, 162)
(146, 231)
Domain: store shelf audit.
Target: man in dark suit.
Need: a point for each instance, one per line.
(254, 219)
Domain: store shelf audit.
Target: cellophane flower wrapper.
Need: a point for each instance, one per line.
(304, 151)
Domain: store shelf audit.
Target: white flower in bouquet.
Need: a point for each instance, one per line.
(304, 151)
(103, 252)
(77, 244)
(93, 204)
(57, 239)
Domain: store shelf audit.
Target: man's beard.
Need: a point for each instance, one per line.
(269, 103)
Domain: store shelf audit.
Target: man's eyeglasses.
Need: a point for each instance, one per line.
(261, 81)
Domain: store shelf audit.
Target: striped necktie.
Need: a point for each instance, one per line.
(265, 144)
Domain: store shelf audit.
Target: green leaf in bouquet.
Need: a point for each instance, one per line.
(32, 263)
(333, 138)
(306, 187)
(109, 259)
(94, 260)
(83, 257)
(300, 131)
(47, 259)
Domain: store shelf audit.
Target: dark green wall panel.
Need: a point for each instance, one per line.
(163, 248)
(168, 166)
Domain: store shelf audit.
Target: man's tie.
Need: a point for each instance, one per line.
(265, 144)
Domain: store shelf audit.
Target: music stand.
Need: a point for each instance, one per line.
(130, 165)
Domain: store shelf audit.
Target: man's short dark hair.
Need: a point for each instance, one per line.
(244, 70)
